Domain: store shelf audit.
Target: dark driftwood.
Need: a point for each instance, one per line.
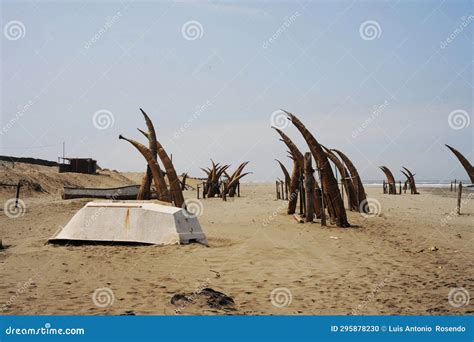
(392, 188)
(329, 183)
(160, 185)
(174, 193)
(287, 177)
(345, 180)
(212, 184)
(298, 159)
(358, 186)
(145, 188)
(464, 162)
(234, 179)
(173, 180)
(183, 182)
(411, 180)
(231, 184)
(309, 187)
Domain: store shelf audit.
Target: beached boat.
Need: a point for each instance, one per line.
(119, 193)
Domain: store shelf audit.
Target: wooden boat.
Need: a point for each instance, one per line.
(119, 193)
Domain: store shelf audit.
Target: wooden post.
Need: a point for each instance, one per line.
(342, 190)
(277, 190)
(204, 190)
(223, 192)
(17, 194)
(455, 183)
(301, 194)
(383, 186)
(238, 189)
(198, 187)
(309, 187)
(282, 191)
(451, 186)
(323, 209)
(458, 209)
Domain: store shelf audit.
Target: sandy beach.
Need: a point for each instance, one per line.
(406, 260)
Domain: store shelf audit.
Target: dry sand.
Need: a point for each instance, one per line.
(383, 265)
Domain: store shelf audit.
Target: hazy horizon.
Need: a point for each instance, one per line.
(387, 82)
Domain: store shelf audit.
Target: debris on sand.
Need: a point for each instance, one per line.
(434, 249)
(218, 275)
(128, 313)
(206, 297)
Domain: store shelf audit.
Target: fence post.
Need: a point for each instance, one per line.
(309, 187)
(301, 194)
(342, 189)
(223, 192)
(458, 208)
(17, 194)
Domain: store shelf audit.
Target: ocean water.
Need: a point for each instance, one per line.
(419, 183)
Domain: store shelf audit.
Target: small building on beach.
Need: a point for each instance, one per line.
(78, 165)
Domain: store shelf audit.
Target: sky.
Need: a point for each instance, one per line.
(387, 82)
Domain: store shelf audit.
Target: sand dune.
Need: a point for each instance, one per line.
(382, 265)
(46, 179)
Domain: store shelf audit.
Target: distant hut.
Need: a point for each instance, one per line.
(78, 165)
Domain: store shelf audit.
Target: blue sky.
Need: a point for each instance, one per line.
(212, 95)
